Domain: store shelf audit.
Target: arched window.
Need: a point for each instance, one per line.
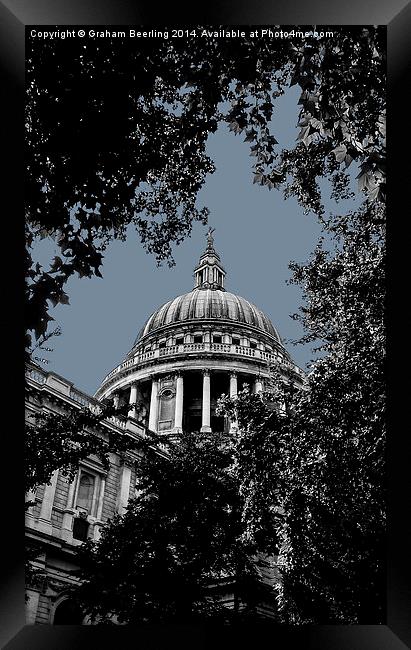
(68, 613)
(85, 491)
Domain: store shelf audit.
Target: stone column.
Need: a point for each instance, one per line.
(47, 504)
(178, 416)
(258, 385)
(233, 393)
(205, 422)
(233, 384)
(133, 401)
(152, 423)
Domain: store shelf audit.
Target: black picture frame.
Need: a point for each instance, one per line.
(14, 16)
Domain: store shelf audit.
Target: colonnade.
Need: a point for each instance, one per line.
(179, 400)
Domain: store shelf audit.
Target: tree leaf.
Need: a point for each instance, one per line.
(340, 152)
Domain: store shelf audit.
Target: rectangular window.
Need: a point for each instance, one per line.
(217, 338)
(80, 529)
(235, 340)
(198, 338)
(166, 411)
(253, 345)
(180, 340)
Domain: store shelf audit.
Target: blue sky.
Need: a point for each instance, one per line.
(257, 233)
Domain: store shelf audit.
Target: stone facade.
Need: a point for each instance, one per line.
(190, 351)
(66, 512)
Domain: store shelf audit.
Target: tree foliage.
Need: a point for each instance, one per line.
(170, 557)
(320, 460)
(116, 135)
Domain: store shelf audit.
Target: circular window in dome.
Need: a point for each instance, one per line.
(167, 394)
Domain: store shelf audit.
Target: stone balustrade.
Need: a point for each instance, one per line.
(121, 424)
(194, 348)
(40, 377)
(80, 398)
(37, 375)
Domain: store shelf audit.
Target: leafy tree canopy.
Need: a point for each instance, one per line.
(320, 461)
(116, 135)
(179, 547)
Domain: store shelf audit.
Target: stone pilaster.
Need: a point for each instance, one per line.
(44, 523)
(32, 606)
(98, 524)
(153, 418)
(124, 491)
(68, 515)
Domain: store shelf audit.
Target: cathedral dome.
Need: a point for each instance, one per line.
(206, 331)
(204, 304)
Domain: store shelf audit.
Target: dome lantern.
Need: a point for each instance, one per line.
(209, 273)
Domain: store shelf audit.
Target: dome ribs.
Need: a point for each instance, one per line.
(176, 309)
(162, 314)
(192, 304)
(206, 304)
(240, 309)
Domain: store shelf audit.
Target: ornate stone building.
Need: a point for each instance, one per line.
(194, 348)
(190, 351)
